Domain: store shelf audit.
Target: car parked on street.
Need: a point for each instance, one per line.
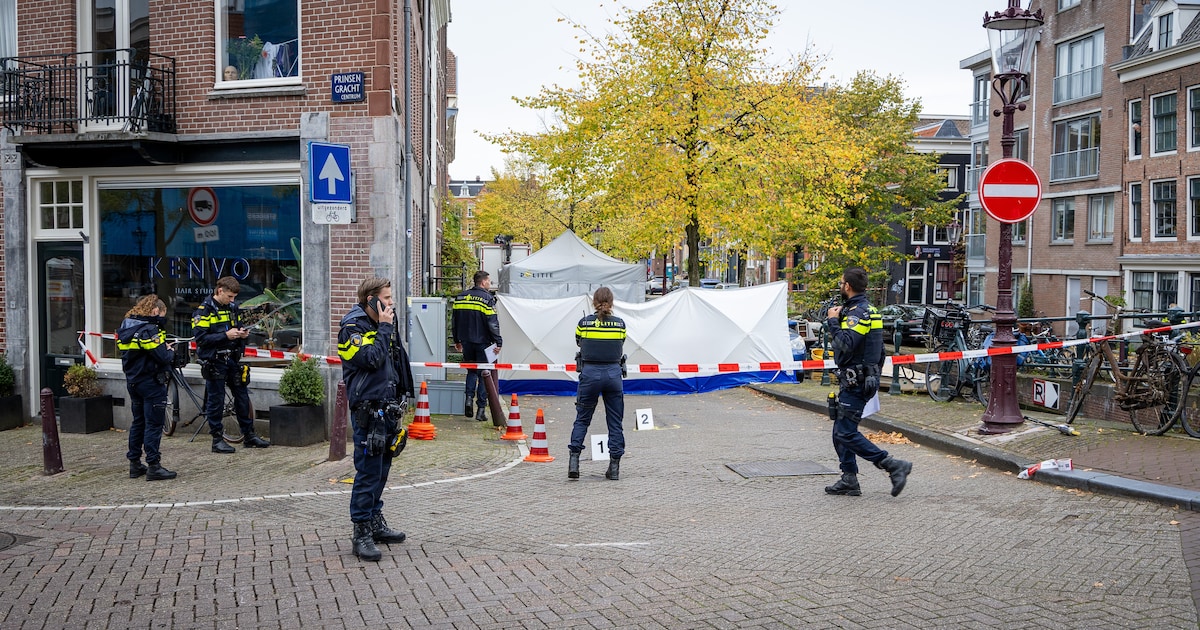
(909, 318)
(654, 286)
(709, 283)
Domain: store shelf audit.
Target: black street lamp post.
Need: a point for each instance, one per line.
(1012, 37)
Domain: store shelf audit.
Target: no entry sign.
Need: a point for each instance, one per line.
(1010, 190)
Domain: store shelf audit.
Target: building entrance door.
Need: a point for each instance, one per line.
(60, 311)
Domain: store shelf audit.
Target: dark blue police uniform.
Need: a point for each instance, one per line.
(146, 361)
(473, 323)
(220, 359)
(600, 344)
(858, 351)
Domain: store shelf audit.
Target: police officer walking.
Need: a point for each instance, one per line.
(379, 383)
(600, 337)
(474, 327)
(146, 360)
(857, 330)
(220, 342)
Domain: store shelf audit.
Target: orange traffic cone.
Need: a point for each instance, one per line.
(422, 427)
(540, 450)
(513, 430)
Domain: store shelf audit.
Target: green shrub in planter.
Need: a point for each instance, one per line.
(8, 379)
(85, 408)
(301, 383)
(81, 382)
(12, 407)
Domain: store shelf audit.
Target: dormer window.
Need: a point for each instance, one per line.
(1165, 24)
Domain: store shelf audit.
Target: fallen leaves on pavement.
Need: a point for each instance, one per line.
(882, 437)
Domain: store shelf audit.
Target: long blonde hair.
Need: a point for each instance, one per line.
(145, 306)
(602, 301)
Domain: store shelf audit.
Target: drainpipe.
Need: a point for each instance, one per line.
(407, 170)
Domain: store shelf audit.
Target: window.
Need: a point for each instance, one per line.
(1168, 290)
(1143, 290)
(1017, 283)
(919, 235)
(1194, 118)
(1021, 145)
(258, 40)
(8, 28)
(1076, 148)
(941, 236)
(1062, 220)
(143, 250)
(950, 175)
(1163, 206)
(1078, 68)
(979, 106)
(1165, 30)
(1194, 294)
(975, 288)
(1066, 4)
(1100, 218)
(60, 205)
(1163, 113)
(470, 211)
(1194, 207)
(979, 162)
(1135, 129)
(945, 284)
(1135, 211)
(1018, 232)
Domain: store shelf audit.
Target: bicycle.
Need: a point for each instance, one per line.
(1051, 361)
(177, 384)
(946, 379)
(1152, 390)
(1190, 417)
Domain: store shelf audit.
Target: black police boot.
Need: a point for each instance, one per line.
(573, 466)
(614, 469)
(481, 414)
(381, 533)
(898, 470)
(364, 544)
(136, 469)
(847, 485)
(158, 473)
(253, 441)
(219, 445)
(468, 410)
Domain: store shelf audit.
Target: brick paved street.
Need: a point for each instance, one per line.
(680, 541)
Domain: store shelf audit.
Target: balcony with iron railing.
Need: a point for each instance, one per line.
(1078, 164)
(122, 90)
(1077, 85)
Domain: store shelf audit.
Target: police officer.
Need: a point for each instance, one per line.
(857, 330)
(474, 327)
(600, 337)
(379, 383)
(146, 360)
(220, 341)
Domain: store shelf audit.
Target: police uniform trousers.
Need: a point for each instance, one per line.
(370, 472)
(475, 353)
(596, 380)
(148, 404)
(226, 372)
(848, 441)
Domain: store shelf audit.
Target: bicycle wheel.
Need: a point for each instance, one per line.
(171, 420)
(1158, 389)
(942, 378)
(232, 431)
(1079, 394)
(982, 380)
(1190, 416)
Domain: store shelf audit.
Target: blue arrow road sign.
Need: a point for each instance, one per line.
(329, 173)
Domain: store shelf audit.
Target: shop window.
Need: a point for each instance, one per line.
(60, 205)
(150, 243)
(258, 40)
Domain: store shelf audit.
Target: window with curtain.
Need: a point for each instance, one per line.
(1062, 220)
(258, 40)
(1100, 218)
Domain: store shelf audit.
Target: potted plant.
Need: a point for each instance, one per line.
(12, 407)
(85, 408)
(300, 421)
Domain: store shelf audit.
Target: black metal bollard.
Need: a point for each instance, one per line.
(1081, 320)
(825, 355)
(51, 450)
(337, 433)
(897, 336)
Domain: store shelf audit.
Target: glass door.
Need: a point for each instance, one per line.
(116, 52)
(60, 311)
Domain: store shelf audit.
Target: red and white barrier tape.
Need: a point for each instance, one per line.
(707, 368)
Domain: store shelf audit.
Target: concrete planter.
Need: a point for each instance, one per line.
(12, 412)
(297, 425)
(85, 415)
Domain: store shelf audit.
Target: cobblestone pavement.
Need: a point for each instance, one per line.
(680, 541)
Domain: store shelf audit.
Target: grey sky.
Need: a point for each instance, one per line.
(508, 48)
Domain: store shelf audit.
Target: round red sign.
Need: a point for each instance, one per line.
(1010, 190)
(202, 205)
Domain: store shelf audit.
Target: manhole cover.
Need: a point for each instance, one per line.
(779, 469)
(9, 540)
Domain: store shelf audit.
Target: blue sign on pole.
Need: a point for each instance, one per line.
(329, 173)
(347, 87)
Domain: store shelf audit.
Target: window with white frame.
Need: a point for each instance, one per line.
(1021, 144)
(1194, 207)
(1062, 220)
(914, 286)
(976, 284)
(258, 40)
(941, 236)
(949, 176)
(1142, 291)
(1078, 68)
(1076, 148)
(1100, 218)
(919, 235)
(1135, 211)
(1166, 290)
(1135, 129)
(1163, 120)
(1162, 199)
(1018, 232)
(1166, 30)
(8, 28)
(979, 106)
(1194, 118)
(60, 205)
(1194, 292)
(470, 211)
(945, 283)
(1067, 4)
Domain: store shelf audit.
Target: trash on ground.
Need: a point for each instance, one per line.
(1049, 464)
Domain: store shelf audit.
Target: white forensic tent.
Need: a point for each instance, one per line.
(568, 267)
(746, 325)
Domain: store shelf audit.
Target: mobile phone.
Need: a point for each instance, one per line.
(374, 303)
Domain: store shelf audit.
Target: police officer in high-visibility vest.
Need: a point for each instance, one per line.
(146, 360)
(220, 342)
(474, 327)
(857, 331)
(601, 365)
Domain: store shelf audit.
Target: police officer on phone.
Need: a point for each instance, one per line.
(379, 383)
(857, 331)
(220, 342)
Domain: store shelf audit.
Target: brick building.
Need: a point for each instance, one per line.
(154, 145)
